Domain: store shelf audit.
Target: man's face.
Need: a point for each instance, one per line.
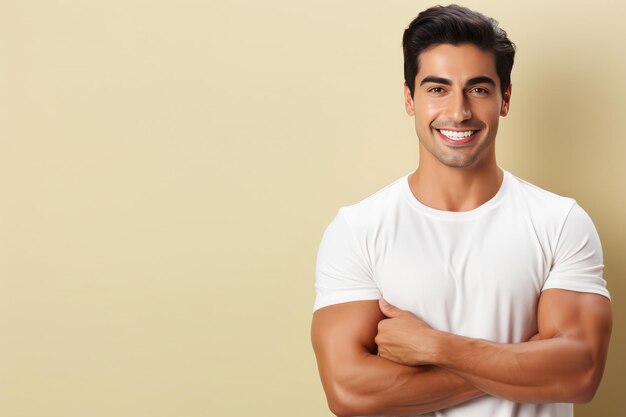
(457, 104)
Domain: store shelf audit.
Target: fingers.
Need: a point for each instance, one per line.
(387, 309)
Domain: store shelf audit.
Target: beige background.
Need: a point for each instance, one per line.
(167, 169)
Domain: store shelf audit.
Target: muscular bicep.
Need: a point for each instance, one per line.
(342, 333)
(563, 313)
(355, 380)
(584, 321)
(358, 382)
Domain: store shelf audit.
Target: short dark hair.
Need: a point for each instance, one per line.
(456, 25)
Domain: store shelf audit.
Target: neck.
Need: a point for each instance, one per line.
(455, 189)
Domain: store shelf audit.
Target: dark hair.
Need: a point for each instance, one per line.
(456, 25)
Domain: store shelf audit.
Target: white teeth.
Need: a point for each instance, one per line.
(454, 135)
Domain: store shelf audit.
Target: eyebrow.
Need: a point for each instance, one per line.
(480, 80)
(436, 80)
(483, 79)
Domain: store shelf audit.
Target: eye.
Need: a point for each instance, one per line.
(436, 91)
(479, 91)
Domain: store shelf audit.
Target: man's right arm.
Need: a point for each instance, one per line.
(358, 382)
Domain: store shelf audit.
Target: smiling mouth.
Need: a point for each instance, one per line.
(457, 137)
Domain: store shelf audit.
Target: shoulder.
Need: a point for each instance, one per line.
(375, 208)
(537, 195)
(539, 202)
(557, 220)
(355, 225)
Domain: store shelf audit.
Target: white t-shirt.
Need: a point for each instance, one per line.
(477, 273)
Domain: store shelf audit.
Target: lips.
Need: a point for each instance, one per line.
(457, 137)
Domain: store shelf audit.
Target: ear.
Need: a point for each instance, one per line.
(408, 101)
(506, 101)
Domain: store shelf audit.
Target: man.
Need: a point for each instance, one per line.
(460, 290)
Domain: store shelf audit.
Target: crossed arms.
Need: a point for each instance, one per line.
(375, 359)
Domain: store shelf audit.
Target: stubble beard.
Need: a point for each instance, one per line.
(457, 159)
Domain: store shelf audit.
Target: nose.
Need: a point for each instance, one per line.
(458, 108)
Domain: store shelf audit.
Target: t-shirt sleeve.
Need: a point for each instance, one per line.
(343, 272)
(577, 263)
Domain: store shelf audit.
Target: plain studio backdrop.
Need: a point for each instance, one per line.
(167, 169)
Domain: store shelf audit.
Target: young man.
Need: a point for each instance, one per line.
(460, 289)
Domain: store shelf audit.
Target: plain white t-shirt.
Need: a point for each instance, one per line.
(476, 273)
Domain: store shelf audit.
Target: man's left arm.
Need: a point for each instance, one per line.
(564, 362)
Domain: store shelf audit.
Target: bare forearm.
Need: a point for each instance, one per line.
(377, 386)
(552, 370)
(564, 362)
(358, 382)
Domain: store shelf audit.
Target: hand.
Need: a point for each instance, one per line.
(404, 338)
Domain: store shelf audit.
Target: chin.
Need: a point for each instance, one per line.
(456, 162)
